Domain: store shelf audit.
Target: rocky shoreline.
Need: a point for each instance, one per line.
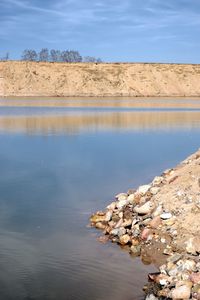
(160, 222)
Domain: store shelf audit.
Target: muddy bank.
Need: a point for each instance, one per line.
(99, 80)
(160, 222)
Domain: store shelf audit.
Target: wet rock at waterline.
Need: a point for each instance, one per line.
(160, 222)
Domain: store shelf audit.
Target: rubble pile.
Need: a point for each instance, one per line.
(160, 222)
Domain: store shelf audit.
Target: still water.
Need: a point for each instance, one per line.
(60, 163)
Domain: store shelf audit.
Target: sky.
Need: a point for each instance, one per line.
(125, 30)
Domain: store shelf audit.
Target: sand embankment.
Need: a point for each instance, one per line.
(113, 79)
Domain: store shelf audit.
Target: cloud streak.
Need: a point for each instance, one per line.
(85, 24)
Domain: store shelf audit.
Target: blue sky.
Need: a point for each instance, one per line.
(126, 30)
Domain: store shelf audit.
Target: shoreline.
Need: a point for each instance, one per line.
(160, 222)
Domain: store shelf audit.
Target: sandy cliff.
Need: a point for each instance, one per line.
(64, 79)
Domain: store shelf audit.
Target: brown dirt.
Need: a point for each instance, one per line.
(180, 195)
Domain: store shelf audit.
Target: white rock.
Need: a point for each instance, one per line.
(144, 209)
(120, 204)
(158, 211)
(131, 198)
(151, 297)
(121, 196)
(118, 231)
(121, 214)
(108, 216)
(119, 223)
(135, 221)
(193, 245)
(154, 190)
(143, 189)
(157, 180)
(166, 216)
(189, 265)
(163, 281)
(111, 206)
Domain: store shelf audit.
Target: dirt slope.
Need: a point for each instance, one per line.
(64, 79)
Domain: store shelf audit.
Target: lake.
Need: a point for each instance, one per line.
(63, 159)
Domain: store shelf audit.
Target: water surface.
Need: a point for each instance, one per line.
(59, 164)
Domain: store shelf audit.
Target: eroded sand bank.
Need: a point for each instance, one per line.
(160, 222)
(18, 78)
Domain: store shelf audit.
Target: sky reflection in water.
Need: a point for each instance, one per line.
(57, 168)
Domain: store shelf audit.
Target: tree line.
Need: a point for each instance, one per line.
(53, 55)
(56, 56)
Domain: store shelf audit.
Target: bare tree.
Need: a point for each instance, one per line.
(64, 56)
(71, 56)
(55, 55)
(92, 59)
(29, 55)
(6, 57)
(43, 55)
(74, 56)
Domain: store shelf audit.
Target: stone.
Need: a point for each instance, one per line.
(131, 198)
(97, 218)
(154, 190)
(174, 258)
(193, 245)
(172, 271)
(111, 206)
(162, 279)
(100, 225)
(146, 221)
(124, 239)
(121, 196)
(181, 292)
(158, 211)
(135, 242)
(131, 191)
(151, 297)
(155, 222)
(145, 208)
(119, 223)
(127, 223)
(167, 251)
(135, 250)
(188, 265)
(121, 214)
(164, 293)
(166, 216)
(145, 233)
(157, 180)
(196, 288)
(118, 231)
(143, 189)
(135, 221)
(170, 222)
(121, 203)
(195, 278)
(108, 215)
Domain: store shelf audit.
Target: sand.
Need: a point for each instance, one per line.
(99, 80)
